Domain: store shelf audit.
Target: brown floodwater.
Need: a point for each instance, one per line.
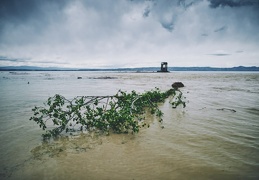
(215, 137)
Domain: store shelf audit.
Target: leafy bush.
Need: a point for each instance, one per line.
(121, 113)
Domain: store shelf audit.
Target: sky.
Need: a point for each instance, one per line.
(129, 33)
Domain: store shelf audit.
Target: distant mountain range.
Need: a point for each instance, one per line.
(141, 69)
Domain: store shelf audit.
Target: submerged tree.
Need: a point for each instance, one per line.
(121, 113)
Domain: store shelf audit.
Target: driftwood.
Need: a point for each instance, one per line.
(223, 109)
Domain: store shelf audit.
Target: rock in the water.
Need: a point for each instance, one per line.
(177, 85)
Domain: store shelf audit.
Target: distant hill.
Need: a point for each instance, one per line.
(34, 68)
(141, 69)
(239, 68)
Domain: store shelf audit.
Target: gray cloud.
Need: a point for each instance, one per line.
(223, 28)
(17, 11)
(187, 3)
(204, 34)
(233, 3)
(166, 12)
(146, 11)
(219, 54)
(4, 58)
(168, 25)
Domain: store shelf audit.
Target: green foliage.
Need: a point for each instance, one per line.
(121, 113)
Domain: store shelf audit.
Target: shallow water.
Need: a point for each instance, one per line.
(215, 137)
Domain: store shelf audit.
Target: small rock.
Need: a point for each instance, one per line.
(79, 77)
(177, 85)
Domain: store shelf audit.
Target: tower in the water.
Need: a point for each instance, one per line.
(163, 67)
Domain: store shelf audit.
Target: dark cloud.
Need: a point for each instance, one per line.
(168, 25)
(29, 15)
(221, 29)
(233, 3)
(167, 12)
(219, 54)
(146, 11)
(51, 62)
(8, 59)
(187, 3)
(16, 11)
(204, 34)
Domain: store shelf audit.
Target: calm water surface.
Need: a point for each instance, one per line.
(215, 137)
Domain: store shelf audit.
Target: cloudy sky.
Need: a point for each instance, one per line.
(129, 33)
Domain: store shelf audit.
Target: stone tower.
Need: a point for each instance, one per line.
(163, 67)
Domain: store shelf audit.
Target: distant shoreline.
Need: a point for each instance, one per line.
(138, 70)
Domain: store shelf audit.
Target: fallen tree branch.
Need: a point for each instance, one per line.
(121, 113)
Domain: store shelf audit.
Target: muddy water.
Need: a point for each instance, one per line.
(215, 137)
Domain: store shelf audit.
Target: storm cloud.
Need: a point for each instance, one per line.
(233, 3)
(129, 33)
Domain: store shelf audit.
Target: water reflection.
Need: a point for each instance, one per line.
(66, 144)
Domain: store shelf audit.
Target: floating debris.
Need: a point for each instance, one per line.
(223, 109)
(18, 73)
(103, 77)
